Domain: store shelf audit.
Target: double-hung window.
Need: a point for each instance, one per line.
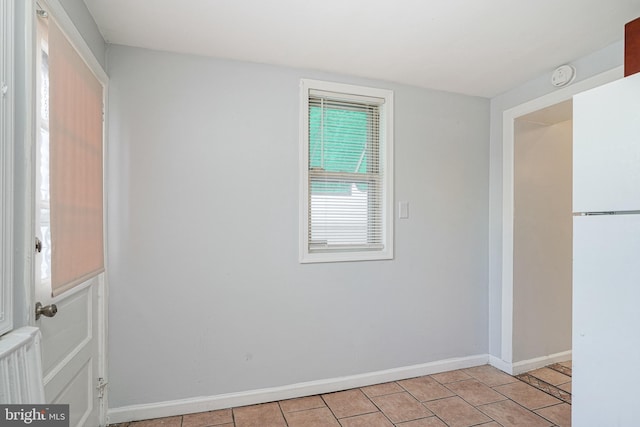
(346, 158)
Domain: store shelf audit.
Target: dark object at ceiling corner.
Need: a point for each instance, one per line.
(632, 47)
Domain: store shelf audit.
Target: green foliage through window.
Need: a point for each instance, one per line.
(337, 141)
(340, 141)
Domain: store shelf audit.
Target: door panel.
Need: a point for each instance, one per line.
(79, 390)
(68, 332)
(70, 353)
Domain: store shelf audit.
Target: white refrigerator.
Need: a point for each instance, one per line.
(606, 255)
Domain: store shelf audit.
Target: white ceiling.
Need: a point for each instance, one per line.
(474, 47)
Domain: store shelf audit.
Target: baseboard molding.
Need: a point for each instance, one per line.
(501, 364)
(539, 362)
(252, 397)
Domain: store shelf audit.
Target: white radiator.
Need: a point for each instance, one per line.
(21, 367)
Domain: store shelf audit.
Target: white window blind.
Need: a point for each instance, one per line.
(75, 168)
(346, 183)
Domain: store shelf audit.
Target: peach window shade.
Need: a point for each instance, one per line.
(76, 176)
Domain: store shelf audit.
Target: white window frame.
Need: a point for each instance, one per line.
(7, 90)
(386, 154)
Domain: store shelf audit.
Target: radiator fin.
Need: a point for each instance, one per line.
(21, 367)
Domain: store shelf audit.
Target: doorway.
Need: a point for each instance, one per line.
(517, 354)
(542, 233)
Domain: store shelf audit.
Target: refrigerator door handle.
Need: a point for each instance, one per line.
(606, 213)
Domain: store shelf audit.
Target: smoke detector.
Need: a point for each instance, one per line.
(563, 75)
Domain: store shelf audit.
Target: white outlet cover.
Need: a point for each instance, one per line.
(403, 210)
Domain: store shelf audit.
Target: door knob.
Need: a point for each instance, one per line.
(46, 310)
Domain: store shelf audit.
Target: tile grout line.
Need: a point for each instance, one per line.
(329, 407)
(380, 409)
(540, 415)
(286, 423)
(404, 390)
(514, 402)
(526, 378)
(561, 369)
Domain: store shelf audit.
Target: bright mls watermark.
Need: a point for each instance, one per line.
(34, 415)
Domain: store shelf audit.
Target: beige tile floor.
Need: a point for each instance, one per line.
(479, 396)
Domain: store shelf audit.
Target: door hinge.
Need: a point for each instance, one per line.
(38, 245)
(102, 384)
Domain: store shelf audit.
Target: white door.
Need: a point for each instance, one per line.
(72, 322)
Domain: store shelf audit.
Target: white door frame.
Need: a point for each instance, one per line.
(78, 42)
(508, 141)
(7, 97)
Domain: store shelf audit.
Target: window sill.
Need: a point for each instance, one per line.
(320, 257)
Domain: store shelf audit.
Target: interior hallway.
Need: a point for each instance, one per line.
(479, 396)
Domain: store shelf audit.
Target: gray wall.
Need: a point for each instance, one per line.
(82, 19)
(542, 240)
(588, 66)
(206, 293)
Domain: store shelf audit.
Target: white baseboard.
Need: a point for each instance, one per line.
(501, 364)
(539, 362)
(252, 397)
